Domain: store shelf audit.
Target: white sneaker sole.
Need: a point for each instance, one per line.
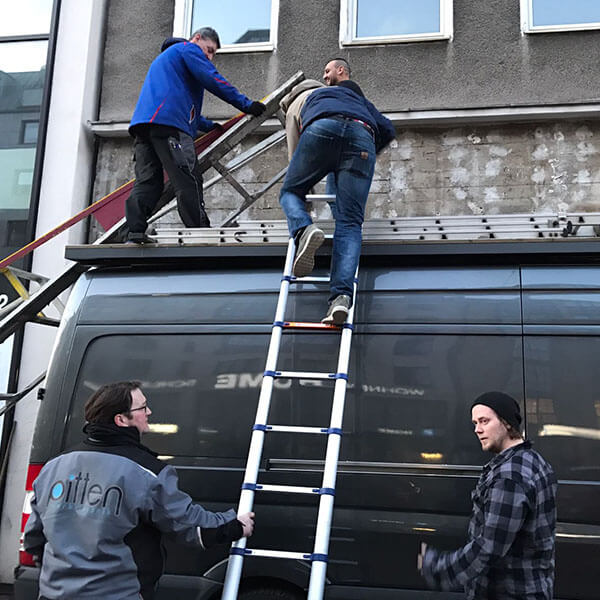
(305, 260)
(337, 317)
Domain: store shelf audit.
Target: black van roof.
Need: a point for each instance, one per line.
(532, 251)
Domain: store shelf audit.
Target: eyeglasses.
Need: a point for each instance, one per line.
(143, 407)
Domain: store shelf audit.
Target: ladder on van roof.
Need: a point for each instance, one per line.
(319, 555)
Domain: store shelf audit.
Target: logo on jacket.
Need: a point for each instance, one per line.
(192, 114)
(79, 491)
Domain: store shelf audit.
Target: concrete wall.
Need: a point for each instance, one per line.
(525, 168)
(134, 34)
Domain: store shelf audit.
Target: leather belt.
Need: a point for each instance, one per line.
(347, 118)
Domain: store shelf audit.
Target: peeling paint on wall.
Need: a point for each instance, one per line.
(513, 169)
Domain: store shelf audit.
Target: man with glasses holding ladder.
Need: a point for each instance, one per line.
(99, 510)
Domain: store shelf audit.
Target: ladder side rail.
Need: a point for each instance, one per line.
(254, 197)
(245, 157)
(247, 124)
(235, 564)
(38, 301)
(27, 310)
(318, 571)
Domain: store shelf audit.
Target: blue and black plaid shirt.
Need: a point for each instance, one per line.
(510, 552)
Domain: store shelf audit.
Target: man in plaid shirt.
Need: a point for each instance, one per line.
(510, 551)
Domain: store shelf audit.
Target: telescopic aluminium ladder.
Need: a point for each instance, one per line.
(319, 556)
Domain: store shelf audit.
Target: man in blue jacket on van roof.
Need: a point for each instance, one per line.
(341, 133)
(165, 121)
(99, 510)
(510, 551)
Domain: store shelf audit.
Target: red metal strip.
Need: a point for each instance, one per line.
(302, 325)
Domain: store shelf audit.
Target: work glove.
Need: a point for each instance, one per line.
(256, 109)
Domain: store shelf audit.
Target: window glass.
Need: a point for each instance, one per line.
(563, 412)
(22, 75)
(396, 17)
(236, 21)
(25, 17)
(408, 403)
(560, 12)
(30, 131)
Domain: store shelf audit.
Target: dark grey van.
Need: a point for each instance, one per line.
(437, 325)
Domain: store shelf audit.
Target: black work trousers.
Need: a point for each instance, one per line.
(155, 150)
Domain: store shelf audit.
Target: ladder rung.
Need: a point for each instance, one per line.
(275, 554)
(294, 429)
(309, 280)
(320, 197)
(303, 325)
(285, 489)
(301, 375)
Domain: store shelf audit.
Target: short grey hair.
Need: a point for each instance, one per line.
(208, 33)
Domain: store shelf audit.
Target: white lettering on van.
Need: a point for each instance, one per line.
(231, 381)
(396, 391)
(175, 383)
(249, 380)
(226, 381)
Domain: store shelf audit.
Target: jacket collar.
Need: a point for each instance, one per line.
(506, 455)
(100, 434)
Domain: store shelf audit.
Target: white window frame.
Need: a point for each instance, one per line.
(348, 18)
(182, 25)
(527, 25)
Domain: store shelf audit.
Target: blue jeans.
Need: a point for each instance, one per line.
(346, 149)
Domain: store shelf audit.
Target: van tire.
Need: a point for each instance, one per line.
(271, 593)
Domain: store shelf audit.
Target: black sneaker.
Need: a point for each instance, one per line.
(310, 240)
(338, 311)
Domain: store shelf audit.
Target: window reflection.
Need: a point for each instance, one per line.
(559, 12)
(236, 21)
(26, 17)
(22, 75)
(403, 17)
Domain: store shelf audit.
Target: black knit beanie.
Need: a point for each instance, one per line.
(503, 405)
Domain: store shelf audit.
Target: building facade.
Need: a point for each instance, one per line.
(495, 105)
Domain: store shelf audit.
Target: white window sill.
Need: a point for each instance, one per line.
(559, 28)
(371, 41)
(237, 48)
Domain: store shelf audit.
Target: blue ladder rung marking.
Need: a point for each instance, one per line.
(348, 326)
(251, 486)
(335, 430)
(339, 376)
(317, 557)
(259, 427)
(278, 323)
(287, 278)
(271, 373)
(324, 491)
(240, 551)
